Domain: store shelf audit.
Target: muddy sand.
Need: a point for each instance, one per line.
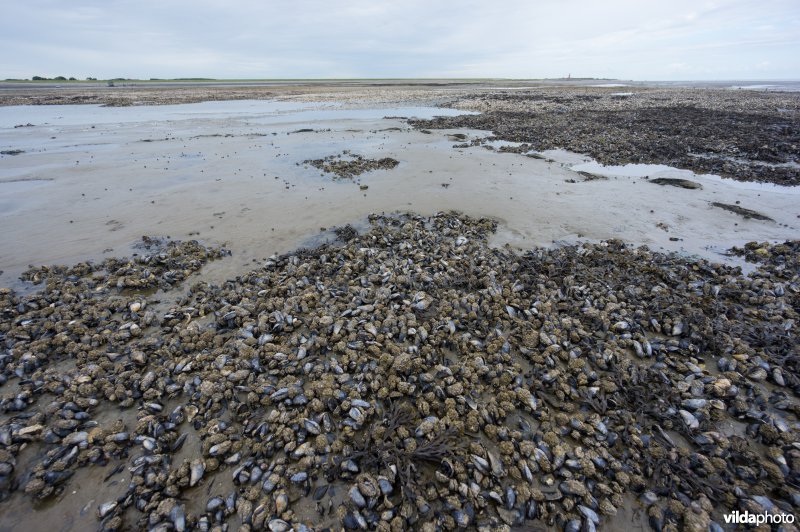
(520, 363)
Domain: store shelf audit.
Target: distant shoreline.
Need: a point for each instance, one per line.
(435, 92)
(755, 84)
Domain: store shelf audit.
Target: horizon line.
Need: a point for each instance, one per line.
(442, 78)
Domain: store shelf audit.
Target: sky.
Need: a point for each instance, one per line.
(622, 39)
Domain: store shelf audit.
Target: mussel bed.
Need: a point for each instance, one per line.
(409, 377)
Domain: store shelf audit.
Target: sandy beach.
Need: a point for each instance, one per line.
(470, 294)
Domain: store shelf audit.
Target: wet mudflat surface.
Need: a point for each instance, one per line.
(745, 135)
(92, 180)
(411, 372)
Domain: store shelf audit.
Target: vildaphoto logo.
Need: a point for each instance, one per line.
(747, 518)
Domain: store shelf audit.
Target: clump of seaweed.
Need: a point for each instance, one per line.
(383, 449)
(681, 183)
(741, 211)
(346, 233)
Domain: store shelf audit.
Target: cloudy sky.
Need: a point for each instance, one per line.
(626, 39)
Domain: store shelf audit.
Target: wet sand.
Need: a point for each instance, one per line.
(92, 180)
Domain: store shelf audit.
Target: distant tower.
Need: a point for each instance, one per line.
(569, 76)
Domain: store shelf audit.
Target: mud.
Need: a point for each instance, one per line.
(228, 172)
(93, 180)
(749, 137)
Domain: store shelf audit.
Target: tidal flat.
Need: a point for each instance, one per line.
(398, 307)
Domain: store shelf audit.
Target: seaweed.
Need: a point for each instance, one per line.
(345, 233)
(741, 211)
(681, 183)
(379, 450)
